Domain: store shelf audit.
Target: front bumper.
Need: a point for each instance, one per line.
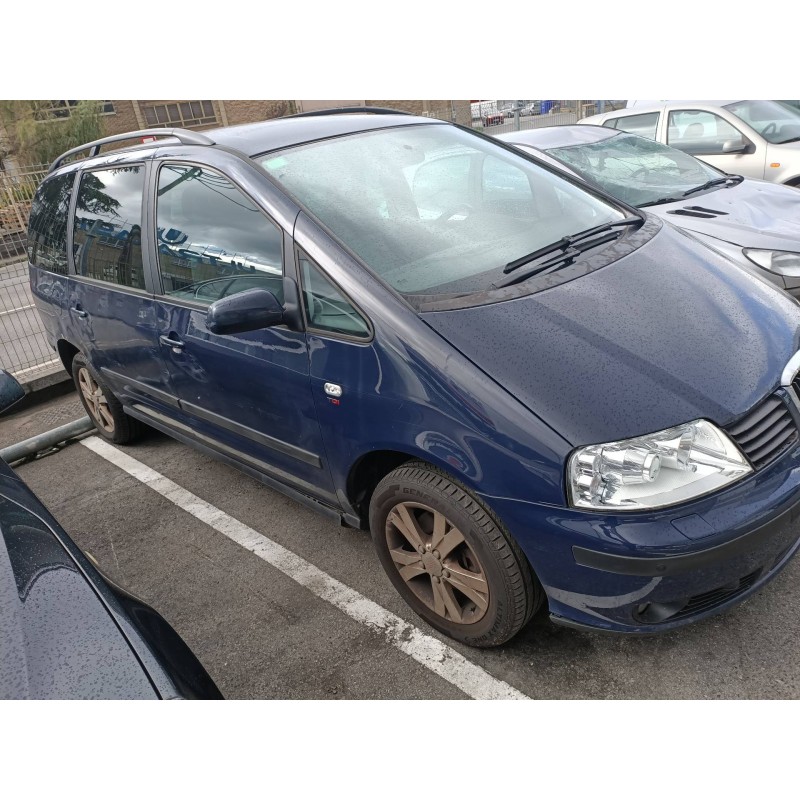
(644, 573)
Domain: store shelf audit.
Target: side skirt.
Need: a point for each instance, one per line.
(253, 467)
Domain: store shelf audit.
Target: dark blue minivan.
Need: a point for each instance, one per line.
(529, 392)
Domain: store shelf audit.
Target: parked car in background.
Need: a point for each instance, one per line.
(755, 223)
(528, 391)
(754, 138)
(532, 108)
(68, 632)
(494, 119)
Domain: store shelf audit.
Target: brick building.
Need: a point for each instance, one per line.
(136, 114)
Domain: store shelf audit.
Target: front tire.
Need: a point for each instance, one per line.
(103, 408)
(449, 559)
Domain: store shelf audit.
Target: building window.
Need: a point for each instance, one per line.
(185, 114)
(61, 109)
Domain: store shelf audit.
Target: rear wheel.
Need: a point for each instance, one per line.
(451, 561)
(102, 406)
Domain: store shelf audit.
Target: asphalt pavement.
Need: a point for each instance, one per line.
(264, 631)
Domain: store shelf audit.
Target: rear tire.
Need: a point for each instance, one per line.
(449, 558)
(103, 408)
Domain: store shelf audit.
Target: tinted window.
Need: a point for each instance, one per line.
(326, 307)
(699, 132)
(212, 240)
(640, 124)
(47, 228)
(107, 235)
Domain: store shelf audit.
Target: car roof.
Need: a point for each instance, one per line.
(559, 136)
(256, 138)
(251, 139)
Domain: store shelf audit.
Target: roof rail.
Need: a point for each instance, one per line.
(324, 112)
(182, 135)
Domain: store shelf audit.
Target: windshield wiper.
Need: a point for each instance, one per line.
(660, 201)
(567, 241)
(715, 182)
(786, 141)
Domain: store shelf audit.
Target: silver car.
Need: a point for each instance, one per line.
(754, 223)
(754, 138)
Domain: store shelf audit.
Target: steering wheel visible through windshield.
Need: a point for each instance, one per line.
(431, 208)
(775, 121)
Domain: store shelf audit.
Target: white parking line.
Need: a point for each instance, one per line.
(428, 651)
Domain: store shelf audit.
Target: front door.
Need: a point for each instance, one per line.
(248, 393)
(702, 134)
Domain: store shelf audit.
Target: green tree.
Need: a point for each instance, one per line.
(37, 136)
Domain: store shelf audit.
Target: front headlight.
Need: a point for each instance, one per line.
(779, 261)
(655, 470)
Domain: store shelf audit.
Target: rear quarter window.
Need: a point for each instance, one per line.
(47, 226)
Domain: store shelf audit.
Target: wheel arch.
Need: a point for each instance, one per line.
(367, 472)
(795, 181)
(67, 352)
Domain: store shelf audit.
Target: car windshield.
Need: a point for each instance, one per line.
(636, 170)
(433, 209)
(775, 121)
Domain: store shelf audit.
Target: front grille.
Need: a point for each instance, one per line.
(765, 432)
(796, 384)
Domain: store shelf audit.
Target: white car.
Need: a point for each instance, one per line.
(754, 138)
(754, 223)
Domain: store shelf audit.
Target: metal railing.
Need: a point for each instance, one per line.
(23, 346)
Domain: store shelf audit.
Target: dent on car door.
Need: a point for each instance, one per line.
(247, 393)
(110, 308)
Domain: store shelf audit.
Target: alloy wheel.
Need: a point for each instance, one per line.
(436, 562)
(95, 400)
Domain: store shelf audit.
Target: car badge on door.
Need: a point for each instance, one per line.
(333, 390)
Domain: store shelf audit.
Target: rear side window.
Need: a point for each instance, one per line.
(47, 228)
(107, 235)
(213, 241)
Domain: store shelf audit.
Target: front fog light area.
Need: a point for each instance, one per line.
(657, 470)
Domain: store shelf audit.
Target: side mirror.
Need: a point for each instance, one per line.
(10, 390)
(246, 311)
(734, 146)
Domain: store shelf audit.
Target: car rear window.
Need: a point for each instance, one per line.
(47, 226)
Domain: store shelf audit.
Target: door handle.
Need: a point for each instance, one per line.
(79, 312)
(176, 344)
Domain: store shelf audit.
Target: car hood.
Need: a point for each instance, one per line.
(670, 333)
(752, 214)
(57, 640)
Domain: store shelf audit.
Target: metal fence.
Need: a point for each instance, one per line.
(23, 347)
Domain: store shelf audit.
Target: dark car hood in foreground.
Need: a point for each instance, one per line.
(57, 640)
(65, 631)
(667, 334)
(750, 214)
